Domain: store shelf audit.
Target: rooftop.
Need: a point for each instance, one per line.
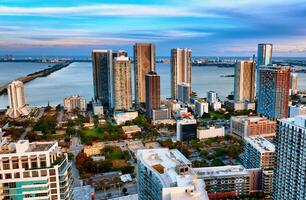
(260, 144)
(232, 170)
(299, 120)
(252, 119)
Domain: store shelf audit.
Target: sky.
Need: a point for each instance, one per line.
(208, 27)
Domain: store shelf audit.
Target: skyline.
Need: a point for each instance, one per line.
(35, 27)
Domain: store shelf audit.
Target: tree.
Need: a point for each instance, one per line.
(233, 151)
(217, 162)
(124, 190)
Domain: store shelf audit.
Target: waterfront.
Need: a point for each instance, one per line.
(77, 79)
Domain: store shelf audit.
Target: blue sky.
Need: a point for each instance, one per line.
(208, 27)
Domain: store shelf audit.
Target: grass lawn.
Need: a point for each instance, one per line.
(105, 133)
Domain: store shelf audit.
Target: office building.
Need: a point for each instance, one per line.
(17, 101)
(152, 92)
(264, 54)
(296, 110)
(144, 62)
(244, 126)
(186, 129)
(200, 107)
(183, 93)
(122, 83)
(230, 182)
(102, 67)
(212, 97)
(258, 152)
(161, 114)
(165, 174)
(293, 84)
(75, 103)
(273, 98)
(244, 85)
(181, 62)
(37, 170)
(210, 132)
(289, 172)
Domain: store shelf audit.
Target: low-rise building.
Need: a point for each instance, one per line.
(97, 108)
(237, 106)
(93, 149)
(186, 129)
(161, 114)
(243, 126)
(121, 117)
(165, 174)
(75, 102)
(130, 130)
(37, 170)
(216, 105)
(296, 110)
(210, 132)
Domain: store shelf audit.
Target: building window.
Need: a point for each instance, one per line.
(8, 176)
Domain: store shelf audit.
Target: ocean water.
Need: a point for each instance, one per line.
(77, 79)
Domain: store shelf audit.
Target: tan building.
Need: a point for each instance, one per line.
(144, 62)
(181, 62)
(75, 102)
(122, 82)
(243, 126)
(245, 81)
(94, 149)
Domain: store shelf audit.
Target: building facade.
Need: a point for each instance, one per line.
(210, 132)
(293, 84)
(200, 107)
(75, 102)
(245, 74)
(17, 101)
(243, 126)
(122, 83)
(165, 174)
(186, 129)
(183, 93)
(296, 110)
(273, 96)
(181, 62)
(264, 54)
(212, 97)
(289, 175)
(152, 92)
(144, 62)
(36, 170)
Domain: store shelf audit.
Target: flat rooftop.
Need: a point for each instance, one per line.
(260, 144)
(232, 170)
(299, 120)
(243, 118)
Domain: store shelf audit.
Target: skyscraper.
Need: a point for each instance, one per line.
(289, 176)
(293, 83)
(181, 62)
(17, 102)
(245, 81)
(273, 96)
(264, 54)
(152, 92)
(122, 83)
(144, 62)
(102, 67)
(183, 93)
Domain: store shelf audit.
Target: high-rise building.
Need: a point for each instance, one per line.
(17, 102)
(181, 62)
(212, 97)
(273, 96)
(183, 92)
(122, 83)
(144, 62)
(186, 129)
(200, 107)
(258, 152)
(165, 174)
(289, 175)
(264, 54)
(244, 88)
(75, 102)
(37, 170)
(102, 67)
(243, 126)
(152, 92)
(293, 84)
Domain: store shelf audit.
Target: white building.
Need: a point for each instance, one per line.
(36, 170)
(183, 92)
(201, 107)
(97, 108)
(121, 117)
(186, 129)
(17, 101)
(165, 174)
(216, 105)
(297, 110)
(75, 102)
(211, 132)
(293, 84)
